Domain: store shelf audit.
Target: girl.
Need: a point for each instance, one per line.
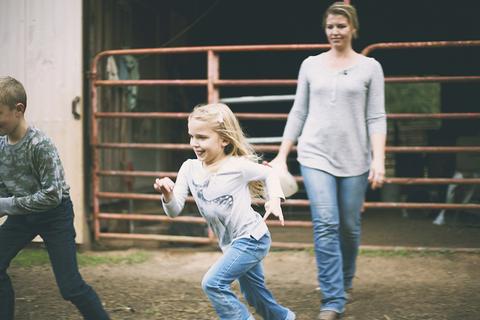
(222, 180)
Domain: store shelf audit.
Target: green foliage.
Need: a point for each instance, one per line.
(38, 257)
(412, 97)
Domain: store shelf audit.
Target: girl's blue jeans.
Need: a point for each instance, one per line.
(335, 204)
(243, 261)
(56, 229)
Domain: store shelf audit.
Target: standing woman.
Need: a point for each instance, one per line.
(338, 118)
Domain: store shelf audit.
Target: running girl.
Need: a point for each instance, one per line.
(223, 180)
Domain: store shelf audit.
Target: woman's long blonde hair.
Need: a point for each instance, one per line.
(222, 121)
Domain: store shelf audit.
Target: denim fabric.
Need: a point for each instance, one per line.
(335, 204)
(56, 229)
(243, 261)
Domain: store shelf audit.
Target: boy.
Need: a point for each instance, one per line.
(35, 197)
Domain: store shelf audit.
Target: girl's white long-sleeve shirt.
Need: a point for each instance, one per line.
(223, 198)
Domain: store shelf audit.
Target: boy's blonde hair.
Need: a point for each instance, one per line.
(12, 92)
(222, 121)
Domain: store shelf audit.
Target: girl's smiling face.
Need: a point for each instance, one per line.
(206, 143)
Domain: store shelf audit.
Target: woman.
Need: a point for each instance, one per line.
(338, 118)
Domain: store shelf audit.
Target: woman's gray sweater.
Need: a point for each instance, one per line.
(335, 113)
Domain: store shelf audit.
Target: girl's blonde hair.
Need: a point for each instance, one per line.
(222, 121)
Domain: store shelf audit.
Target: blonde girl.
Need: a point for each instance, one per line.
(223, 180)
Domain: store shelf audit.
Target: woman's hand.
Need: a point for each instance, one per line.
(277, 163)
(165, 187)
(376, 176)
(377, 168)
(273, 206)
(280, 161)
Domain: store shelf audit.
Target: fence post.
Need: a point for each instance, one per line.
(213, 76)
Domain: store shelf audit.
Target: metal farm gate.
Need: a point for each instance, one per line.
(212, 83)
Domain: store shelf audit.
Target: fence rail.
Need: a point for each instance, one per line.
(212, 83)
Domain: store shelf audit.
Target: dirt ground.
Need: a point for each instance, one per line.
(389, 285)
(167, 286)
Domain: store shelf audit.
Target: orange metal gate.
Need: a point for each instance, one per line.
(212, 83)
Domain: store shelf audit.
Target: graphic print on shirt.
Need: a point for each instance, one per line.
(217, 210)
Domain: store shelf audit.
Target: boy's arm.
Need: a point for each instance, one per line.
(3, 194)
(50, 178)
(3, 190)
(7, 205)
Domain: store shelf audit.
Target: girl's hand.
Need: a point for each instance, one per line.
(273, 206)
(165, 187)
(376, 176)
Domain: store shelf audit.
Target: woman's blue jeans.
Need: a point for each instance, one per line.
(335, 204)
(56, 229)
(243, 261)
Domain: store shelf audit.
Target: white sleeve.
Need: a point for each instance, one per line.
(299, 112)
(253, 172)
(376, 118)
(180, 192)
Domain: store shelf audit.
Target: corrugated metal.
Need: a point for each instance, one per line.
(41, 45)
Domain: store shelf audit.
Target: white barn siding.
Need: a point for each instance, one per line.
(41, 45)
